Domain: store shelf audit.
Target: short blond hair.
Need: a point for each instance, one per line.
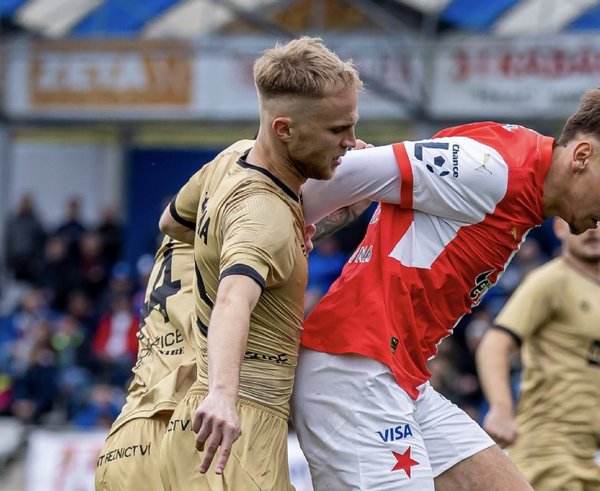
(303, 67)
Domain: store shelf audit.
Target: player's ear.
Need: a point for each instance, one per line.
(560, 227)
(282, 128)
(582, 153)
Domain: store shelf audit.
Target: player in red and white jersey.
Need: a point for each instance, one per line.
(364, 411)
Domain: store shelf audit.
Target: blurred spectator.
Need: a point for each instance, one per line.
(72, 227)
(18, 330)
(325, 264)
(120, 283)
(25, 239)
(72, 356)
(115, 342)
(35, 389)
(60, 273)
(110, 230)
(93, 266)
(143, 267)
(452, 381)
(6, 394)
(530, 256)
(546, 238)
(80, 308)
(102, 408)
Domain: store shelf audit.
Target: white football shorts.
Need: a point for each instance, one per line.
(359, 430)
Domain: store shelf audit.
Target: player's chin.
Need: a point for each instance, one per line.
(324, 173)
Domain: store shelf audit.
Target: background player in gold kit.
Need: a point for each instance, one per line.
(554, 318)
(250, 262)
(163, 372)
(165, 366)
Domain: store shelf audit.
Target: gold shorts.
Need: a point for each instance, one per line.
(258, 459)
(558, 472)
(129, 458)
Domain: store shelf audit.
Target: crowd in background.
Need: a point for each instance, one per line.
(68, 332)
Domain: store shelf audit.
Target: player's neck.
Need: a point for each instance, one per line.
(589, 269)
(556, 199)
(268, 158)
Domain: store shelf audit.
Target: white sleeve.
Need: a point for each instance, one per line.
(456, 178)
(369, 173)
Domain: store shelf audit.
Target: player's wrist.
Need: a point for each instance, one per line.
(503, 408)
(223, 392)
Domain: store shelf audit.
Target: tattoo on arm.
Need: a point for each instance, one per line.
(339, 219)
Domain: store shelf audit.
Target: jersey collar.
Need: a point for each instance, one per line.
(242, 162)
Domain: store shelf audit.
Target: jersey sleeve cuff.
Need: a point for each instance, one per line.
(511, 333)
(178, 218)
(244, 270)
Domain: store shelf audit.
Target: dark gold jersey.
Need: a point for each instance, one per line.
(248, 222)
(556, 314)
(165, 366)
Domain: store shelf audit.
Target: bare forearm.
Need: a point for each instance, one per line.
(228, 333)
(493, 366)
(227, 338)
(339, 219)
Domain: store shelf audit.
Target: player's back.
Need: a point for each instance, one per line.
(165, 366)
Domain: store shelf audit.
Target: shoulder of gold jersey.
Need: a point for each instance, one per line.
(239, 146)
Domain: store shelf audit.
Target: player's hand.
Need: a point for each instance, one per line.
(309, 232)
(501, 426)
(360, 144)
(216, 424)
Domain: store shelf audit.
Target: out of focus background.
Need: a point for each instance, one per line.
(108, 106)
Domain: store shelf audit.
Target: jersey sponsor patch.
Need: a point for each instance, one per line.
(179, 425)
(279, 358)
(394, 433)
(482, 285)
(124, 453)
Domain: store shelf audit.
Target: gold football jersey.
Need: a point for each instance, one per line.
(556, 314)
(248, 222)
(166, 366)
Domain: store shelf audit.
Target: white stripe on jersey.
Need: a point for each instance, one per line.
(463, 181)
(456, 182)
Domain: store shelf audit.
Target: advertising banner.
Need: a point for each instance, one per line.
(165, 80)
(66, 461)
(90, 79)
(520, 78)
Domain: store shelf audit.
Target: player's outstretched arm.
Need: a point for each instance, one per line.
(371, 173)
(216, 421)
(493, 366)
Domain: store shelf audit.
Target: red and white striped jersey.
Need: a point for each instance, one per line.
(467, 198)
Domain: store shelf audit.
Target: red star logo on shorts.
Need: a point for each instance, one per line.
(404, 461)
